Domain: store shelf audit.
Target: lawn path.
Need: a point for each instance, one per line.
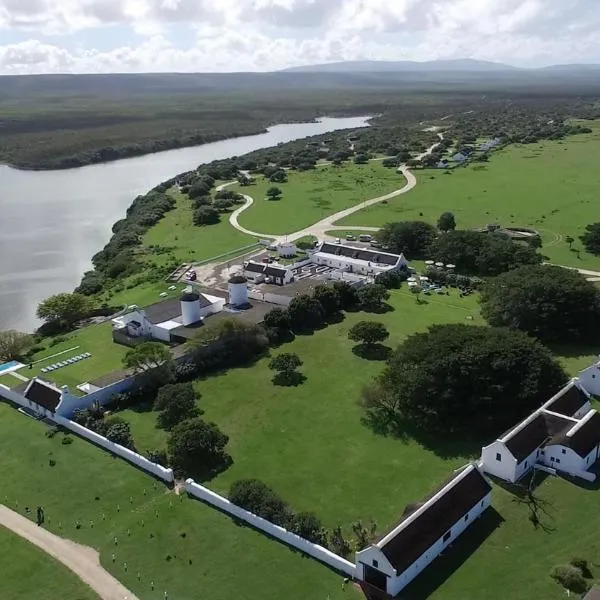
(327, 224)
(82, 560)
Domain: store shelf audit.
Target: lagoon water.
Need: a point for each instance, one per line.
(53, 222)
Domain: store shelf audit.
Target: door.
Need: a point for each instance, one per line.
(375, 577)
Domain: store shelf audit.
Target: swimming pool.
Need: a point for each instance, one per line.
(13, 365)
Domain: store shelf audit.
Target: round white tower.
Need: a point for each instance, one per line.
(190, 308)
(238, 291)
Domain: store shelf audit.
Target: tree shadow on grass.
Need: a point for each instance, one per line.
(574, 350)
(454, 556)
(293, 379)
(204, 474)
(372, 351)
(381, 309)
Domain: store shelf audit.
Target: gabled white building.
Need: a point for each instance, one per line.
(564, 434)
(590, 379)
(43, 398)
(424, 532)
(352, 259)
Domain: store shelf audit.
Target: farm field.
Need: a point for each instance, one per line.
(27, 573)
(183, 546)
(549, 186)
(310, 196)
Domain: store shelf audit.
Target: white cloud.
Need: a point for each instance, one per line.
(233, 35)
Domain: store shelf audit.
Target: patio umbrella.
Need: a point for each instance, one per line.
(429, 262)
(450, 266)
(424, 278)
(411, 280)
(439, 264)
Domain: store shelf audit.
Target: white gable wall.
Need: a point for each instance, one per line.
(527, 464)
(564, 459)
(505, 468)
(367, 556)
(590, 379)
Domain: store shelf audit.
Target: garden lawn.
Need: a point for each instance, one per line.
(310, 196)
(183, 546)
(28, 573)
(551, 186)
(96, 339)
(9, 381)
(188, 242)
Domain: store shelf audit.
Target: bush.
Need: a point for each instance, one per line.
(259, 499)
(570, 578)
(206, 215)
(67, 440)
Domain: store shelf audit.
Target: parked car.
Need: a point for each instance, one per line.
(365, 237)
(350, 237)
(375, 244)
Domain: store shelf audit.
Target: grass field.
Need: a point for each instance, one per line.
(27, 573)
(310, 196)
(9, 381)
(549, 186)
(189, 549)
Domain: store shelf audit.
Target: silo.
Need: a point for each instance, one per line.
(190, 308)
(238, 291)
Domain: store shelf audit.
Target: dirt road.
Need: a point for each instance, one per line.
(82, 560)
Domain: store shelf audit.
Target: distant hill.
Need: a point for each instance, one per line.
(382, 66)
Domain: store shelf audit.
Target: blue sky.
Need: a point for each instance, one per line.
(86, 36)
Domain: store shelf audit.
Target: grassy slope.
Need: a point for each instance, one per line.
(52, 581)
(87, 483)
(310, 196)
(550, 187)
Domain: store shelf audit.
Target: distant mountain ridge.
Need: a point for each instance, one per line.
(431, 66)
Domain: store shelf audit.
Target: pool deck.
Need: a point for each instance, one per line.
(11, 366)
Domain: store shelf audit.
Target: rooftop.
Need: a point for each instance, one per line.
(362, 254)
(568, 401)
(582, 437)
(43, 394)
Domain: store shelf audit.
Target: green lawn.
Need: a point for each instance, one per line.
(551, 186)
(97, 339)
(9, 381)
(190, 243)
(310, 196)
(183, 546)
(28, 573)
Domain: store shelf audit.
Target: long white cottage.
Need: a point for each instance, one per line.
(425, 530)
(563, 434)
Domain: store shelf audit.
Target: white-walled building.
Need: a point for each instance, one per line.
(590, 379)
(264, 272)
(167, 320)
(424, 532)
(42, 397)
(364, 261)
(563, 434)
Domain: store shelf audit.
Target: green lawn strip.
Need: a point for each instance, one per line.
(28, 572)
(516, 557)
(549, 186)
(9, 381)
(310, 196)
(96, 339)
(228, 560)
(144, 294)
(189, 242)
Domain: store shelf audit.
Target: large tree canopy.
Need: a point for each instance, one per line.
(550, 303)
(176, 403)
(13, 344)
(410, 237)
(478, 253)
(64, 309)
(591, 238)
(462, 379)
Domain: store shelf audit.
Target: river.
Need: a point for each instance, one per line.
(53, 222)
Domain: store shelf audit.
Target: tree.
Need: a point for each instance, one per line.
(391, 279)
(244, 180)
(462, 380)
(274, 193)
(347, 294)
(550, 303)
(368, 332)
(308, 526)
(305, 313)
(146, 356)
(570, 240)
(412, 238)
(338, 543)
(206, 215)
(372, 296)
(64, 309)
(176, 402)
(199, 188)
(477, 253)
(361, 159)
(13, 344)
(120, 433)
(364, 536)
(279, 176)
(570, 577)
(196, 447)
(285, 364)
(328, 297)
(446, 222)
(258, 498)
(223, 204)
(591, 238)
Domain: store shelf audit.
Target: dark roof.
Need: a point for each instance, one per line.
(254, 267)
(189, 297)
(585, 438)
(367, 255)
(43, 395)
(568, 401)
(533, 435)
(272, 271)
(461, 494)
(163, 311)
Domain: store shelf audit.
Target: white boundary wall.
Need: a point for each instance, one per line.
(314, 550)
(129, 455)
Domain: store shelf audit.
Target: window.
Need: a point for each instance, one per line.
(558, 460)
(564, 450)
(537, 453)
(552, 459)
(525, 465)
(498, 457)
(375, 563)
(466, 517)
(447, 536)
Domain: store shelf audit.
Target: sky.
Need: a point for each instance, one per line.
(106, 36)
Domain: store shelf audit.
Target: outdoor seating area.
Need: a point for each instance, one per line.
(66, 363)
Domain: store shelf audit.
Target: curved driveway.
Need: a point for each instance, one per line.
(327, 224)
(82, 560)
